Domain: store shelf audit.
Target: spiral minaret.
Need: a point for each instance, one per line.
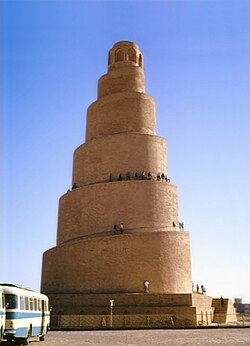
(120, 176)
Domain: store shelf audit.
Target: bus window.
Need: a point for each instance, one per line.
(35, 304)
(44, 305)
(27, 303)
(31, 304)
(22, 303)
(11, 301)
(39, 305)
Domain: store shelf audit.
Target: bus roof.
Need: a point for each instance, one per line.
(15, 289)
(17, 286)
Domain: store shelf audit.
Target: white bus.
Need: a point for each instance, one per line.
(27, 314)
(2, 314)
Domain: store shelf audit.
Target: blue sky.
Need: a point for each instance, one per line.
(197, 65)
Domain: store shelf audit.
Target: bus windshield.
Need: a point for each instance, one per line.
(11, 301)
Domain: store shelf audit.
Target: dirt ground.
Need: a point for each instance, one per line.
(192, 337)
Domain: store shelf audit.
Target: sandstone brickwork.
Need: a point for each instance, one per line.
(96, 159)
(120, 176)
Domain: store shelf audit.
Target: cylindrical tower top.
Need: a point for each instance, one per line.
(125, 72)
(122, 105)
(124, 53)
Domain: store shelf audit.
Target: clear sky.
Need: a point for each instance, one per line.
(197, 65)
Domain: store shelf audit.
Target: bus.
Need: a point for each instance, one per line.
(27, 314)
(2, 314)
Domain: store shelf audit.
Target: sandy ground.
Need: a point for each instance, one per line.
(192, 337)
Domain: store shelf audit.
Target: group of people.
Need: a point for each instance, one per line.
(137, 176)
(119, 228)
(181, 225)
(199, 289)
(140, 176)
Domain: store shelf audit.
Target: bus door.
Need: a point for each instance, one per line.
(43, 317)
(2, 314)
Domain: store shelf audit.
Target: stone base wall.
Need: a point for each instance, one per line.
(82, 311)
(125, 321)
(224, 312)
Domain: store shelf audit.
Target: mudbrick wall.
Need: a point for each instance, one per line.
(121, 140)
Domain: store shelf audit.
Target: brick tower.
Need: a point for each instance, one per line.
(120, 176)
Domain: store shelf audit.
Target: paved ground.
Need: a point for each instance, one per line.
(191, 337)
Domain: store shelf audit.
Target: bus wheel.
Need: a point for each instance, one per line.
(42, 337)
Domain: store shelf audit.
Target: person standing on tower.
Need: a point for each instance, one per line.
(146, 285)
(121, 228)
(203, 289)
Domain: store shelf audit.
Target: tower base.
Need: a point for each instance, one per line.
(132, 310)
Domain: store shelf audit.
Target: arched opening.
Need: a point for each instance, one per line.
(207, 318)
(132, 54)
(81, 318)
(172, 319)
(59, 318)
(148, 318)
(201, 320)
(119, 55)
(140, 60)
(125, 318)
(104, 318)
